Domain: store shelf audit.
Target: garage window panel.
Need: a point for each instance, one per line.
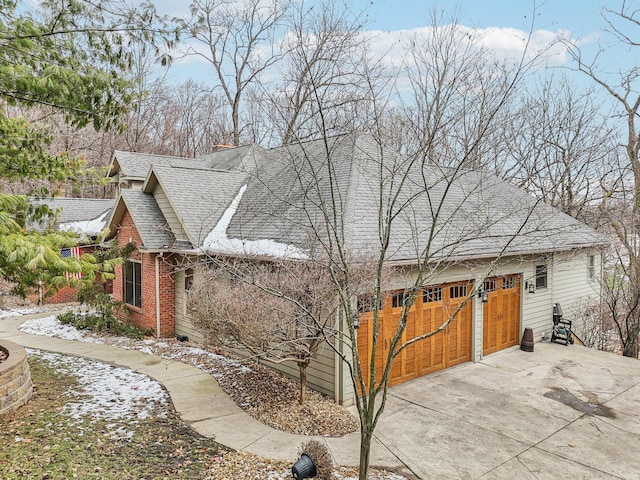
(490, 285)
(432, 294)
(510, 282)
(397, 300)
(458, 291)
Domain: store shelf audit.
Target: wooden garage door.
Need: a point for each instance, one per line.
(501, 314)
(432, 308)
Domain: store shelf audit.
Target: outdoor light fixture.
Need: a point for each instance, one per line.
(356, 322)
(530, 287)
(483, 295)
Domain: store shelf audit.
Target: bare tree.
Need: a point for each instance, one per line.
(280, 311)
(324, 48)
(277, 310)
(238, 40)
(558, 146)
(622, 213)
(456, 87)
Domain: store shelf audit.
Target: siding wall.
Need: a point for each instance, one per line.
(320, 373)
(169, 213)
(184, 325)
(572, 285)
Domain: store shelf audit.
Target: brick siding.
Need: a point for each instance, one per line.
(145, 317)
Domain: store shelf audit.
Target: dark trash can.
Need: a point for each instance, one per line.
(527, 340)
(303, 468)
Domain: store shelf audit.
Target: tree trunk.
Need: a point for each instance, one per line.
(303, 383)
(366, 435)
(630, 350)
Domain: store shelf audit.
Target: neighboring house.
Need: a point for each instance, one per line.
(84, 216)
(249, 201)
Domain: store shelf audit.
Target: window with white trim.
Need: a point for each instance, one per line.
(541, 275)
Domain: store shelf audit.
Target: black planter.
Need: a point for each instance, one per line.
(303, 468)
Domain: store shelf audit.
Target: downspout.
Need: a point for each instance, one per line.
(158, 295)
(337, 367)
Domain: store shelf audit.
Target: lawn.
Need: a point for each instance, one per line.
(54, 437)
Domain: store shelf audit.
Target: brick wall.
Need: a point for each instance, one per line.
(68, 294)
(145, 316)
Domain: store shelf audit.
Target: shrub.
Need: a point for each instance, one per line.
(103, 319)
(102, 324)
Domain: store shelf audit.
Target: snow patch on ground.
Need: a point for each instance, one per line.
(15, 312)
(52, 327)
(108, 393)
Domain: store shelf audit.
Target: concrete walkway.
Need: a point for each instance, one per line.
(202, 403)
(559, 412)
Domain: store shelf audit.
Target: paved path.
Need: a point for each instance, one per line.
(559, 412)
(201, 402)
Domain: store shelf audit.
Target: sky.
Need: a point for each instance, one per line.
(581, 17)
(504, 20)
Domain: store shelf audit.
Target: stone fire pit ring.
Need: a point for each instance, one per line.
(15, 377)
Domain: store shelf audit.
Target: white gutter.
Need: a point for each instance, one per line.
(158, 296)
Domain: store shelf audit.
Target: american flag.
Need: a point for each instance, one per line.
(69, 253)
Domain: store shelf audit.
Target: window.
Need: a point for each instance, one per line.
(188, 279)
(367, 304)
(458, 291)
(591, 267)
(541, 276)
(432, 294)
(490, 285)
(397, 300)
(510, 282)
(133, 283)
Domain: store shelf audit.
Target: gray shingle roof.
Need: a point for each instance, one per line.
(234, 158)
(447, 212)
(199, 196)
(137, 165)
(149, 220)
(75, 211)
(450, 213)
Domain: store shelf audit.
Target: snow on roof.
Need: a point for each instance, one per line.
(87, 227)
(217, 240)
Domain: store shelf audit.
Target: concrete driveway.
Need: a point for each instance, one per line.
(559, 412)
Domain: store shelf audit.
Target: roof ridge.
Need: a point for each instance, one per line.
(154, 155)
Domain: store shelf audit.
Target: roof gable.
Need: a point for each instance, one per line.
(147, 217)
(198, 196)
